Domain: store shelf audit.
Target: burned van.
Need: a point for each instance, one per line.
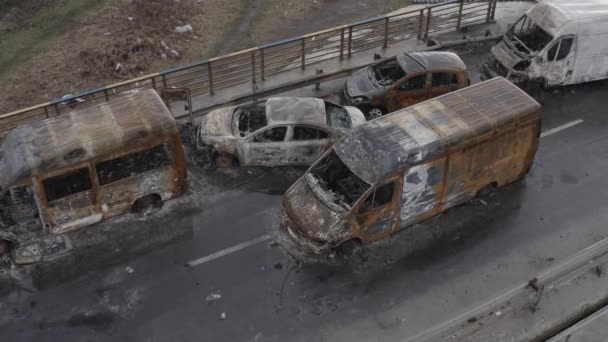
(556, 43)
(403, 168)
(82, 167)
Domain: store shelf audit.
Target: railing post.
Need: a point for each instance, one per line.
(56, 109)
(341, 44)
(385, 33)
(303, 53)
(210, 75)
(489, 11)
(164, 82)
(253, 65)
(460, 15)
(420, 20)
(494, 10)
(350, 41)
(262, 64)
(46, 111)
(153, 82)
(428, 26)
(105, 93)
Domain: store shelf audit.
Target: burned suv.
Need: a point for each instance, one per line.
(280, 131)
(404, 80)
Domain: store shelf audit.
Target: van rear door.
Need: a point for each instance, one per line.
(560, 58)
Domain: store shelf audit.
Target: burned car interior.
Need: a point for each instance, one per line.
(251, 117)
(337, 180)
(388, 72)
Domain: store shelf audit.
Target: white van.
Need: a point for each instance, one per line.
(556, 43)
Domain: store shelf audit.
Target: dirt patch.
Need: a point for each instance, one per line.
(118, 40)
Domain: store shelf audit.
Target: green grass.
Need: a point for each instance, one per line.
(19, 44)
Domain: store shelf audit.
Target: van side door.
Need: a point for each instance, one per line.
(559, 64)
(306, 144)
(407, 92)
(422, 190)
(377, 215)
(70, 200)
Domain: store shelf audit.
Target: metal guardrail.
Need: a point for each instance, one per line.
(259, 63)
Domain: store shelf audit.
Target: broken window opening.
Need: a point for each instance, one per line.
(527, 37)
(414, 83)
(444, 79)
(251, 117)
(133, 164)
(563, 46)
(68, 184)
(275, 134)
(340, 185)
(381, 197)
(337, 116)
(301, 133)
(388, 72)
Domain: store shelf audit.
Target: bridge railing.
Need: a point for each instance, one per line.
(257, 64)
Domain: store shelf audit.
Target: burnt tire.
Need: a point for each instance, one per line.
(487, 190)
(348, 248)
(147, 204)
(224, 161)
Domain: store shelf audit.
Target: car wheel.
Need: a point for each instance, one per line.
(224, 161)
(374, 113)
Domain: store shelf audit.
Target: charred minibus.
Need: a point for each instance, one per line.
(400, 169)
(79, 168)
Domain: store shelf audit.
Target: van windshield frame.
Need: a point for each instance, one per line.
(335, 184)
(527, 37)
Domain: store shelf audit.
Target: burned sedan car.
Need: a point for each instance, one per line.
(556, 43)
(404, 80)
(280, 131)
(398, 170)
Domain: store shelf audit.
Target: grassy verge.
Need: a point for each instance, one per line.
(19, 45)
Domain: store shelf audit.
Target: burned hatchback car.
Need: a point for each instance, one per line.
(279, 131)
(404, 80)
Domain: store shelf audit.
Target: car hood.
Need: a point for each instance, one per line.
(313, 218)
(356, 116)
(217, 123)
(359, 84)
(505, 55)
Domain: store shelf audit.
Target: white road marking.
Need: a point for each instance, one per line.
(228, 251)
(561, 128)
(266, 237)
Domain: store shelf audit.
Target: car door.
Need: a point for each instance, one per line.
(558, 67)
(266, 147)
(411, 90)
(377, 216)
(443, 82)
(307, 143)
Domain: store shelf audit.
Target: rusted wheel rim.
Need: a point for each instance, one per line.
(223, 161)
(374, 113)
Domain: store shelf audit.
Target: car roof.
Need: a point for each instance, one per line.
(82, 134)
(426, 130)
(429, 60)
(290, 110)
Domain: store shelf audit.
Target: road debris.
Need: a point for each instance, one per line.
(183, 28)
(129, 270)
(223, 316)
(213, 297)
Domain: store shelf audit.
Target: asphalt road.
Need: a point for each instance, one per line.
(421, 277)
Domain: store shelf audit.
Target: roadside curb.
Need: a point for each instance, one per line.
(553, 288)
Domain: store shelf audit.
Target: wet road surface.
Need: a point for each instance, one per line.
(416, 279)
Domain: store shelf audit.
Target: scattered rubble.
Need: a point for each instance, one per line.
(213, 297)
(183, 29)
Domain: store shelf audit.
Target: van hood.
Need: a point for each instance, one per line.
(313, 219)
(505, 55)
(218, 123)
(359, 84)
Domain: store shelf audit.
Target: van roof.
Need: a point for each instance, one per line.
(553, 15)
(421, 132)
(83, 134)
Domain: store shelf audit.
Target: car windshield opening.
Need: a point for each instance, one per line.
(388, 72)
(334, 183)
(337, 116)
(250, 118)
(528, 37)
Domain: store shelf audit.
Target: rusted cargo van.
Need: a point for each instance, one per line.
(82, 167)
(395, 171)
